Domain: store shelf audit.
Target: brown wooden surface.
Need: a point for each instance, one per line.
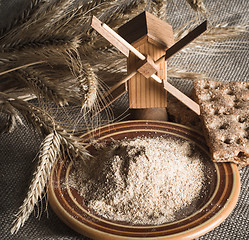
(185, 41)
(148, 67)
(146, 92)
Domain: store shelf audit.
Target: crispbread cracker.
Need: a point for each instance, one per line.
(180, 113)
(225, 116)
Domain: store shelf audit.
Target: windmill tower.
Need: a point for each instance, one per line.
(151, 37)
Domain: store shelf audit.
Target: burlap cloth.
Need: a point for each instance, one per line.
(18, 149)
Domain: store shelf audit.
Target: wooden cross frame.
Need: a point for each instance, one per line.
(147, 42)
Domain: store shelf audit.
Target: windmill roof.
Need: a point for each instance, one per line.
(158, 32)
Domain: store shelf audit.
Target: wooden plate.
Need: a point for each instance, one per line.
(205, 214)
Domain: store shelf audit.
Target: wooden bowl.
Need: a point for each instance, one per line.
(221, 195)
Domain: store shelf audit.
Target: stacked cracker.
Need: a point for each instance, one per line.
(225, 117)
(180, 113)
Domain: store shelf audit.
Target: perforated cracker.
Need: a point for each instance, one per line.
(225, 116)
(180, 113)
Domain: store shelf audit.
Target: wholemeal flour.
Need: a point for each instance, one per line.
(141, 181)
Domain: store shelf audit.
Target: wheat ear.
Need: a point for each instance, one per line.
(158, 8)
(198, 6)
(91, 93)
(42, 88)
(12, 117)
(48, 154)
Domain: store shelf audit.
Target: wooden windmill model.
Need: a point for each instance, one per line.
(147, 42)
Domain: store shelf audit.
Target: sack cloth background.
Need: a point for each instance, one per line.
(226, 61)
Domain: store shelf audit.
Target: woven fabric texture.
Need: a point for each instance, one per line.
(224, 61)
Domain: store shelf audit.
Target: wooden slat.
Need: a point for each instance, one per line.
(124, 42)
(184, 41)
(124, 80)
(114, 38)
(98, 26)
(182, 97)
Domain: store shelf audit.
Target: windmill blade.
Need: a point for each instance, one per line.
(182, 97)
(124, 80)
(178, 94)
(184, 41)
(98, 26)
(115, 39)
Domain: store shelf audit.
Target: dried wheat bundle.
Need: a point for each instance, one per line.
(54, 34)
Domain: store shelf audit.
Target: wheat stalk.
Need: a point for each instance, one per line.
(50, 149)
(173, 72)
(20, 67)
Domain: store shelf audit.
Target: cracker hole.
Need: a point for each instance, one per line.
(241, 155)
(216, 112)
(228, 141)
(242, 119)
(224, 126)
(239, 141)
(230, 92)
